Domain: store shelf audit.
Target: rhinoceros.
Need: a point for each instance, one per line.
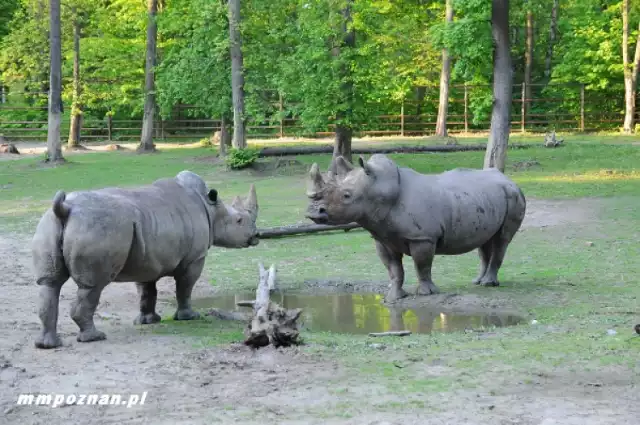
(419, 215)
(133, 235)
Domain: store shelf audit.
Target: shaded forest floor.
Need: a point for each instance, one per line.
(572, 272)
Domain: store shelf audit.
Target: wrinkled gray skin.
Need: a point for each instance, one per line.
(140, 235)
(419, 215)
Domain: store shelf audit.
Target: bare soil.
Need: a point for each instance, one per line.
(188, 384)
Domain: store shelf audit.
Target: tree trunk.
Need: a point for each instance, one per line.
(528, 62)
(445, 74)
(237, 76)
(76, 107)
(146, 139)
(630, 72)
(553, 31)
(344, 130)
(496, 153)
(54, 147)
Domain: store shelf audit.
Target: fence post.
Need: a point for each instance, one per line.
(281, 108)
(582, 107)
(523, 110)
(109, 128)
(466, 108)
(402, 118)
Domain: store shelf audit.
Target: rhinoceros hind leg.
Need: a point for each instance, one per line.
(148, 295)
(184, 287)
(83, 311)
(490, 278)
(484, 252)
(48, 311)
(422, 254)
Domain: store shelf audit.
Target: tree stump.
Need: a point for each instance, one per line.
(271, 324)
(550, 140)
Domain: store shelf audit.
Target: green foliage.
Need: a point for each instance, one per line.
(238, 159)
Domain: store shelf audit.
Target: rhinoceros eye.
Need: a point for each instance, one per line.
(346, 195)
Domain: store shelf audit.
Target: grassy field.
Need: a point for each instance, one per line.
(577, 280)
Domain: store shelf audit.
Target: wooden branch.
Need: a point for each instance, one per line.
(271, 324)
(308, 150)
(227, 315)
(390, 333)
(276, 232)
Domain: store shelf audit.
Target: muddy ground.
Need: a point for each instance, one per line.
(232, 384)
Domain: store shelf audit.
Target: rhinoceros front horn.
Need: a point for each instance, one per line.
(315, 182)
(251, 203)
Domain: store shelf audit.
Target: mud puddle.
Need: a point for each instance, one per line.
(363, 313)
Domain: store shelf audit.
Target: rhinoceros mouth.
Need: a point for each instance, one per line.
(318, 218)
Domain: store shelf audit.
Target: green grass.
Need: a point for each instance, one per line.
(576, 292)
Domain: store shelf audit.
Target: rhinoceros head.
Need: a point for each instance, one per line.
(235, 225)
(348, 194)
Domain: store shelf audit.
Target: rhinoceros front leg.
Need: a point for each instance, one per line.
(422, 254)
(148, 295)
(184, 287)
(83, 310)
(393, 262)
(48, 312)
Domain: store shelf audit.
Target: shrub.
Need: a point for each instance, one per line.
(241, 158)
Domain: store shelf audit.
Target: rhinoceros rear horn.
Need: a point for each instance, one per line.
(342, 166)
(251, 203)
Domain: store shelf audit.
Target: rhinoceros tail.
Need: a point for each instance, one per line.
(60, 209)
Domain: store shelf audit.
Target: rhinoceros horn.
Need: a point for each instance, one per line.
(340, 166)
(315, 183)
(251, 203)
(237, 203)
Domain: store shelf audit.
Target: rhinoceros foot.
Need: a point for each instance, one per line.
(427, 288)
(147, 319)
(186, 314)
(91, 335)
(48, 340)
(395, 294)
(488, 282)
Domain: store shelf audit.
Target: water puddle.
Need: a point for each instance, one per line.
(364, 313)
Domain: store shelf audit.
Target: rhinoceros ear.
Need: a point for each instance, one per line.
(213, 195)
(368, 170)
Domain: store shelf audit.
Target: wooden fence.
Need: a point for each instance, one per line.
(563, 107)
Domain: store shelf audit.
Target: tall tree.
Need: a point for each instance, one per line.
(553, 33)
(344, 116)
(76, 106)
(146, 139)
(496, 153)
(239, 140)
(54, 147)
(445, 75)
(528, 59)
(630, 71)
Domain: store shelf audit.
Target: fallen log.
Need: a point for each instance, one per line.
(390, 333)
(271, 324)
(308, 150)
(275, 232)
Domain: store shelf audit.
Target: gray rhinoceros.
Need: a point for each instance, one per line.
(137, 234)
(408, 213)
